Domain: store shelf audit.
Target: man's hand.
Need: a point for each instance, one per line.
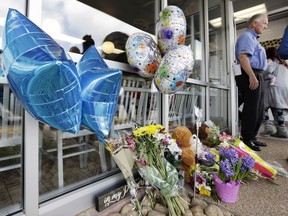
(253, 82)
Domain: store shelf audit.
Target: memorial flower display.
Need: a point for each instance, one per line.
(150, 143)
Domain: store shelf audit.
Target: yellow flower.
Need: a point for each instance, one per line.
(204, 191)
(147, 130)
(139, 132)
(191, 169)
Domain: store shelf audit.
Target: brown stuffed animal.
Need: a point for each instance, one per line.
(204, 132)
(182, 135)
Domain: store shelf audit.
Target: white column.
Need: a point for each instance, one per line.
(31, 164)
(31, 138)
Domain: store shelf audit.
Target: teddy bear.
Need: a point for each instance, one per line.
(183, 135)
(203, 131)
(208, 133)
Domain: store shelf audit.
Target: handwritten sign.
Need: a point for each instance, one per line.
(106, 200)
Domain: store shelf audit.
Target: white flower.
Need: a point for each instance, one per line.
(174, 149)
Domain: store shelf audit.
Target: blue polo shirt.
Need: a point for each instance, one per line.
(283, 47)
(247, 43)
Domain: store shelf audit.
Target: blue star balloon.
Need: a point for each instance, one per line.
(100, 91)
(40, 74)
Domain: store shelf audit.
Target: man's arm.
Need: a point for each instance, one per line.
(245, 64)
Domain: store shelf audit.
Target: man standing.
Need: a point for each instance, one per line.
(252, 58)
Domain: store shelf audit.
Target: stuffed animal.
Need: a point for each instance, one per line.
(203, 132)
(183, 137)
(208, 133)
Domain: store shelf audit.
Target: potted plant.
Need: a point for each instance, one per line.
(232, 170)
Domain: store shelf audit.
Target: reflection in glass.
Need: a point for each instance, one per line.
(10, 133)
(194, 36)
(181, 106)
(101, 21)
(10, 149)
(219, 107)
(217, 45)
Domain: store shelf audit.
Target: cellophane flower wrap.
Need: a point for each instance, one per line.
(123, 155)
(150, 144)
(231, 166)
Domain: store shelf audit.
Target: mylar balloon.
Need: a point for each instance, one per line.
(175, 68)
(100, 90)
(143, 54)
(40, 74)
(91, 59)
(171, 28)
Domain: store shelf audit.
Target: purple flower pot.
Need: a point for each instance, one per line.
(227, 192)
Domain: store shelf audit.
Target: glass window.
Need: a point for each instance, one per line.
(10, 132)
(217, 44)
(77, 24)
(219, 107)
(194, 35)
(182, 103)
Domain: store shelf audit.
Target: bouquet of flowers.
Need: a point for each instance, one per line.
(123, 156)
(213, 136)
(150, 143)
(204, 182)
(231, 166)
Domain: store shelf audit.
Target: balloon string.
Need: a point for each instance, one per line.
(196, 161)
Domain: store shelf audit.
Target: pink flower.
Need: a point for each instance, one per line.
(224, 137)
(131, 143)
(142, 161)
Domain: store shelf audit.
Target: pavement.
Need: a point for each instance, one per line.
(264, 197)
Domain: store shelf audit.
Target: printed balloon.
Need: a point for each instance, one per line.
(171, 28)
(100, 91)
(143, 54)
(175, 68)
(40, 74)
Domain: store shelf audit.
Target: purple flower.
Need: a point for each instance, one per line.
(230, 154)
(200, 179)
(221, 151)
(226, 168)
(248, 163)
(210, 157)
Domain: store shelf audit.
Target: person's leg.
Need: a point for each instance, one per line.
(279, 119)
(268, 125)
(253, 109)
(273, 81)
(262, 89)
(250, 115)
(261, 97)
